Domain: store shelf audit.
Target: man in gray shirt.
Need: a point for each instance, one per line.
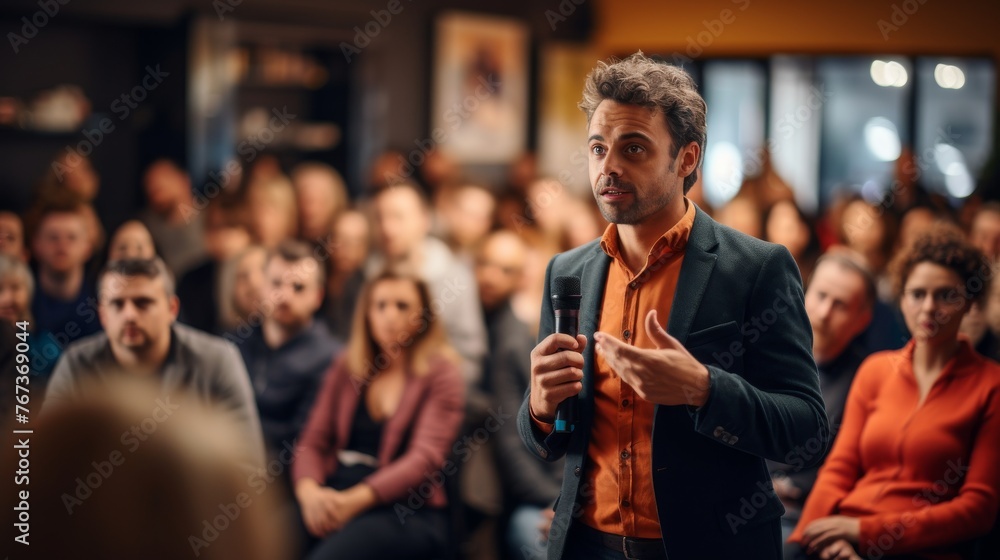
(137, 309)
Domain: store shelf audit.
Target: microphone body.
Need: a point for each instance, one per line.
(566, 303)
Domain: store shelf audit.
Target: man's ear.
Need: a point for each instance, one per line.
(174, 304)
(687, 159)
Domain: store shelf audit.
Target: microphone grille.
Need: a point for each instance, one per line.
(567, 286)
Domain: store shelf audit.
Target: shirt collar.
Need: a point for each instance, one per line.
(674, 240)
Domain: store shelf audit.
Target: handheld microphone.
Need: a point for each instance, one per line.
(566, 303)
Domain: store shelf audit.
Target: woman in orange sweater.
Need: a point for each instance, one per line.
(915, 469)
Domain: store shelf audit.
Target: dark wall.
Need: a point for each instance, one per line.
(106, 61)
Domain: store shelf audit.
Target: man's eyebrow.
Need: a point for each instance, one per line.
(626, 136)
(639, 135)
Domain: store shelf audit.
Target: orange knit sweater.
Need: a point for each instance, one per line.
(922, 477)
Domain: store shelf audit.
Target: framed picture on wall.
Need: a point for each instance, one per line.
(479, 99)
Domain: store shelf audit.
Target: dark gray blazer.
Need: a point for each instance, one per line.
(738, 309)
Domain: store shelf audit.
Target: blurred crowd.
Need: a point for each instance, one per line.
(306, 308)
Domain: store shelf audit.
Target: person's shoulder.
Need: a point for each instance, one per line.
(203, 345)
(576, 256)
(86, 350)
(734, 241)
(877, 367)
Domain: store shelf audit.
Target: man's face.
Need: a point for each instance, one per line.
(632, 172)
(985, 233)
(165, 186)
(317, 203)
(499, 269)
(835, 304)
(61, 244)
(14, 300)
(135, 311)
(349, 245)
(11, 236)
(293, 288)
(131, 241)
(401, 221)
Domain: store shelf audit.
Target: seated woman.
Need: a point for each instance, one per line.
(915, 469)
(370, 459)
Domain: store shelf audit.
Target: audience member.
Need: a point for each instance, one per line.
(226, 236)
(137, 309)
(272, 211)
(63, 304)
(530, 486)
(742, 214)
(12, 236)
(386, 419)
(321, 195)
(985, 231)
(466, 212)
(288, 353)
(9, 375)
(131, 241)
(242, 290)
(785, 223)
(17, 288)
(913, 470)
(172, 218)
(71, 175)
(127, 470)
(347, 250)
(839, 302)
(402, 226)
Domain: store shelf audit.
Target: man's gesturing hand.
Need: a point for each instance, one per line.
(555, 375)
(668, 375)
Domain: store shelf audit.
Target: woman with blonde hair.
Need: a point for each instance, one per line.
(387, 415)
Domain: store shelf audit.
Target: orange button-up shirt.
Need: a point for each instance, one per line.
(619, 458)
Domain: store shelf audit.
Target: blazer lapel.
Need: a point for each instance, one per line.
(699, 260)
(594, 277)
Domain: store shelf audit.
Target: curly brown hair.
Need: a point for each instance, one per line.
(947, 248)
(640, 80)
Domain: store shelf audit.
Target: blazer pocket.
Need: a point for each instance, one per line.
(712, 334)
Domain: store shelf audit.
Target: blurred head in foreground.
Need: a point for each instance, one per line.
(127, 471)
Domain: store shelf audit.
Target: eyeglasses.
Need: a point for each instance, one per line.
(945, 297)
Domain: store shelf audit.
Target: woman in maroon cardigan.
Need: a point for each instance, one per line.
(370, 459)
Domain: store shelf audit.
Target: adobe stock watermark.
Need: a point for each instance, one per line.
(900, 14)
(258, 481)
(49, 9)
(454, 116)
(364, 36)
(463, 450)
(563, 11)
(122, 107)
(248, 150)
(893, 532)
(131, 439)
(798, 458)
(757, 326)
(697, 43)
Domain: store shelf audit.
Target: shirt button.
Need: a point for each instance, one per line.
(632, 285)
(576, 472)
(624, 402)
(626, 333)
(624, 454)
(626, 503)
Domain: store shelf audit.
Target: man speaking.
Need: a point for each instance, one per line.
(693, 363)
